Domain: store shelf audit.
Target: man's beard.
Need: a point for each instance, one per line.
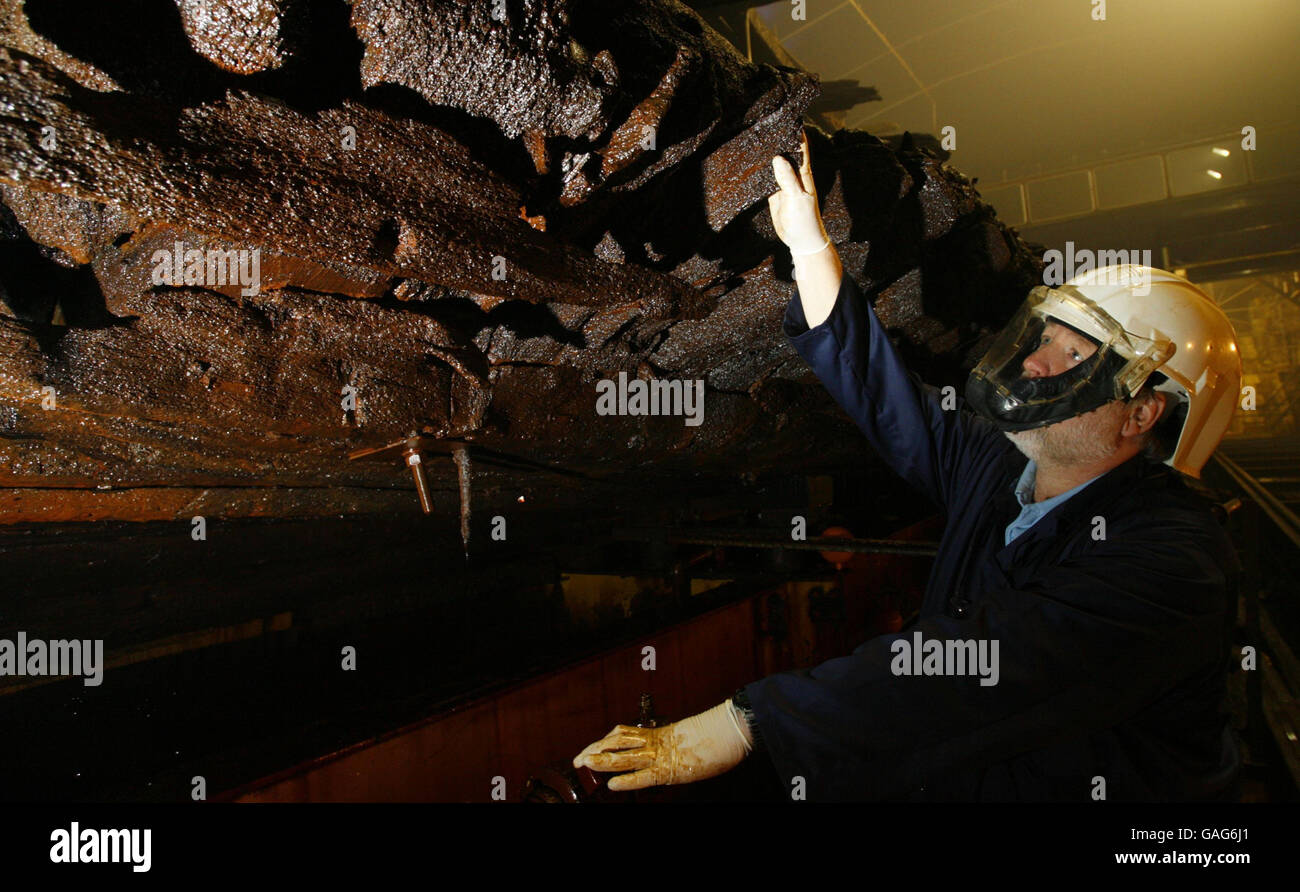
(1082, 440)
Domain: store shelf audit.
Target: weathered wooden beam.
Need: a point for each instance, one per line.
(22, 505)
(348, 185)
(243, 36)
(454, 276)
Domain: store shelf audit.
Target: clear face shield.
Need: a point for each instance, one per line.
(1001, 390)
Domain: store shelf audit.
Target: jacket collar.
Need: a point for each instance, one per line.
(1087, 503)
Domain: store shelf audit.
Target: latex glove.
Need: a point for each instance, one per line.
(795, 215)
(700, 747)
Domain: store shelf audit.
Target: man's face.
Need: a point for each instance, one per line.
(1083, 439)
(1059, 350)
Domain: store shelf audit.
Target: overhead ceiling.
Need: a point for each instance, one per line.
(1121, 132)
(1033, 87)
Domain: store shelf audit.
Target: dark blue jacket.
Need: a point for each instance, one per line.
(1113, 651)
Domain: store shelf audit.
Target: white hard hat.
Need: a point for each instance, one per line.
(1205, 369)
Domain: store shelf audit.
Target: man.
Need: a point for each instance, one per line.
(1099, 584)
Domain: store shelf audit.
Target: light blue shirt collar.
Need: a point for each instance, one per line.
(1030, 511)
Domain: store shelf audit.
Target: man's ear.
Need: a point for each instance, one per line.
(1143, 413)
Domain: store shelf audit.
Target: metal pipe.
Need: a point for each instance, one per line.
(416, 465)
(1282, 516)
(721, 539)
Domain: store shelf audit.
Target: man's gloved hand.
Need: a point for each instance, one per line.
(795, 215)
(700, 747)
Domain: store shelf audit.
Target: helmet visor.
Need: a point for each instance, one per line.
(1072, 375)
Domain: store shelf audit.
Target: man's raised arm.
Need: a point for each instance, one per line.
(921, 434)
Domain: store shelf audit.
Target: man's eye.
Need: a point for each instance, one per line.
(1074, 354)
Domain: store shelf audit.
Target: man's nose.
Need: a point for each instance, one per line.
(1038, 364)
